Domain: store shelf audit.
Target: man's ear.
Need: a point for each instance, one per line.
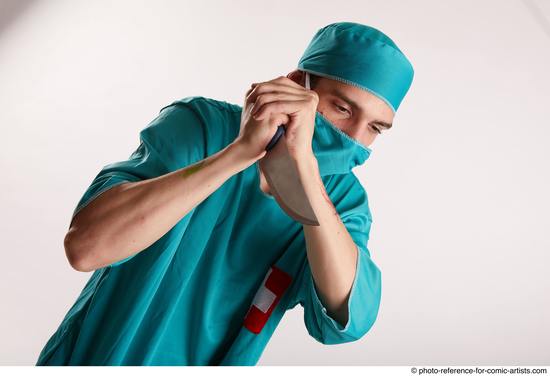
(297, 76)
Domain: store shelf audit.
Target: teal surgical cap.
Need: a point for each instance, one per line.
(362, 56)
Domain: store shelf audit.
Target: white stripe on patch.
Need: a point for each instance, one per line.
(264, 297)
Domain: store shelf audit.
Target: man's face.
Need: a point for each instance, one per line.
(358, 113)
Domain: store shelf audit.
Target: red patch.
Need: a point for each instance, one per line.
(275, 283)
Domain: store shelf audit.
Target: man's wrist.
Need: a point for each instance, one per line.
(239, 156)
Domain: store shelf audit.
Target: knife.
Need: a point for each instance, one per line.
(284, 180)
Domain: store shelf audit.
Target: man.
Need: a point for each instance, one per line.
(194, 262)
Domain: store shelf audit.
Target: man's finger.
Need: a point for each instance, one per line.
(249, 90)
(263, 99)
(288, 81)
(288, 107)
(272, 87)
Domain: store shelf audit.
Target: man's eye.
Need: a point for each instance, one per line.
(376, 129)
(341, 109)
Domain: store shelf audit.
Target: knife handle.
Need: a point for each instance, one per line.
(275, 138)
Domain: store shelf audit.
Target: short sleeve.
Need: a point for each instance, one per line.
(351, 202)
(172, 140)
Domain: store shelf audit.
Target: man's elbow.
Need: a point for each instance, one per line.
(340, 338)
(357, 329)
(362, 331)
(76, 252)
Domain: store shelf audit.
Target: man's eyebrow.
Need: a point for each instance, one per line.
(354, 104)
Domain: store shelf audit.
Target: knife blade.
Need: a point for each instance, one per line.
(284, 180)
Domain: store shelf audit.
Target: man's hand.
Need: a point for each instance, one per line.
(284, 96)
(254, 135)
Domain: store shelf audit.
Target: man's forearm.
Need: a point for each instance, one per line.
(129, 217)
(331, 251)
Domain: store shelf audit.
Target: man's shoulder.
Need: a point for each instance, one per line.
(347, 193)
(201, 104)
(214, 122)
(344, 183)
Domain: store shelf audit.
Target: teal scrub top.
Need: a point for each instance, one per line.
(212, 290)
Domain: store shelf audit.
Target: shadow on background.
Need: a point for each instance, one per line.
(10, 10)
(538, 15)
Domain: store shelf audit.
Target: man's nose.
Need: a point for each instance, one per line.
(357, 130)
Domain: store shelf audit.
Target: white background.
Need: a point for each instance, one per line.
(458, 188)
